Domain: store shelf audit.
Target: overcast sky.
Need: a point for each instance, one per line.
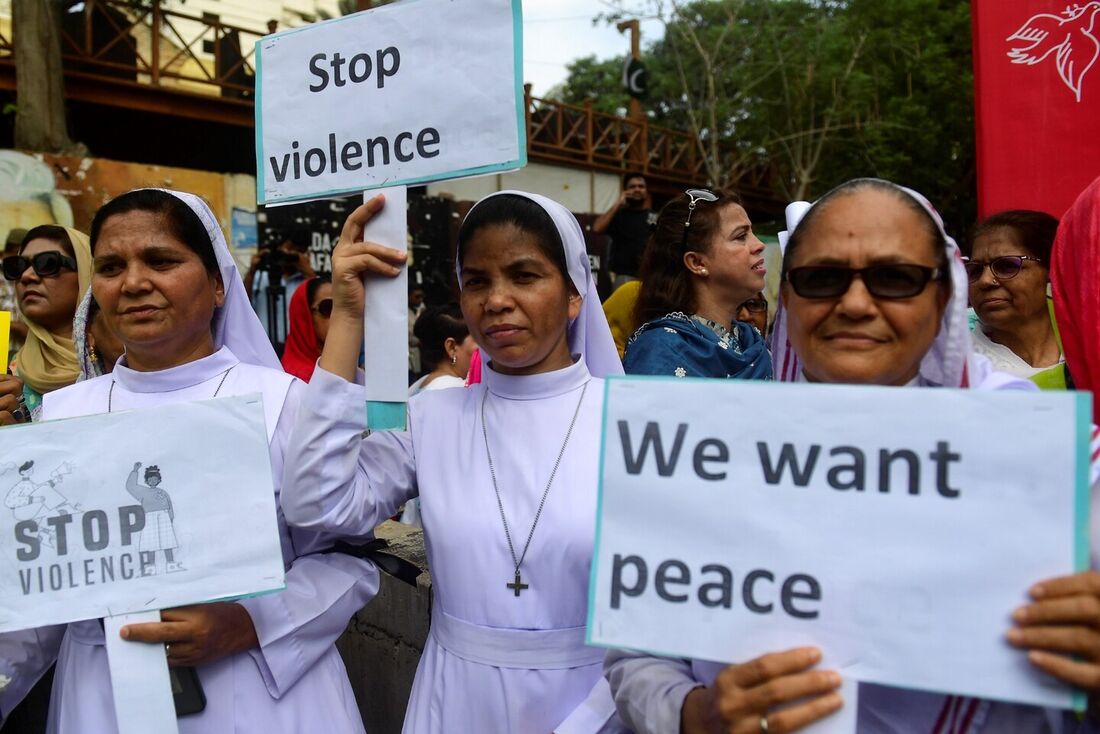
(557, 31)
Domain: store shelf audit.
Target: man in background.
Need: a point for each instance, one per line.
(416, 307)
(628, 223)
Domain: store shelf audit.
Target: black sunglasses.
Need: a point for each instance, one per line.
(45, 264)
(694, 197)
(324, 307)
(1005, 267)
(754, 305)
(881, 281)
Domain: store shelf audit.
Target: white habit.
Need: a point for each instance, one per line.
(494, 661)
(295, 681)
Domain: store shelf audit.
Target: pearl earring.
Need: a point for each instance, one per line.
(703, 271)
(454, 359)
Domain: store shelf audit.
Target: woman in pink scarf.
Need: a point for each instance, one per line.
(1075, 281)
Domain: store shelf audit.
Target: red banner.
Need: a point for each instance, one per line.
(1037, 102)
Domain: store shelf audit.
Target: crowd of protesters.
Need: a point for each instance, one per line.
(499, 464)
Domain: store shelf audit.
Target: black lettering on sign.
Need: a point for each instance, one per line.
(96, 534)
(849, 467)
(641, 578)
(721, 454)
(387, 70)
(339, 156)
(651, 436)
(857, 469)
(26, 533)
(131, 519)
(723, 587)
(886, 459)
(673, 582)
(318, 71)
(360, 68)
(383, 144)
(672, 572)
(800, 472)
(748, 594)
(428, 136)
(59, 524)
(349, 156)
(943, 456)
(790, 593)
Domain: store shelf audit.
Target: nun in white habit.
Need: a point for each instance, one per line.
(506, 471)
(914, 309)
(167, 285)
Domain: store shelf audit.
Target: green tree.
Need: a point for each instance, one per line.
(762, 83)
(923, 82)
(597, 81)
(818, 91)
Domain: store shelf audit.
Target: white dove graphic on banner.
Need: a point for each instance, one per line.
(1071, 37)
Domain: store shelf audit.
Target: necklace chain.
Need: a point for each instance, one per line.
(538, 513)
(111, 390)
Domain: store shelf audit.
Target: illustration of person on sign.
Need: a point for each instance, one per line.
(159, 534)
(29, 500)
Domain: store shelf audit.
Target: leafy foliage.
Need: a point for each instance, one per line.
(819, 91)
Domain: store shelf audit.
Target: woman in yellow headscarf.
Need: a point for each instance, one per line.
(51, 273)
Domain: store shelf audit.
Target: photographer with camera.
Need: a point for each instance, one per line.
(274, 273)
(628, 223)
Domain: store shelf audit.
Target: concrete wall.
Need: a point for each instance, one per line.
(383, 642)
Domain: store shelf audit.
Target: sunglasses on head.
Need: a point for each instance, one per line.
(1005, 267)
(881, 281)
(754, 305)
(324, 307)
(694, 197)
(45, 264)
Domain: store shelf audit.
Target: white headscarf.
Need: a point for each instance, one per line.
(589, 334)
(949, 363)
(235, 322)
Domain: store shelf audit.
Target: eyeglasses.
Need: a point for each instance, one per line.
(323, 307)
(1005, 267)
(755, 305)
(881, 281)
(45, 264)
(694, 197)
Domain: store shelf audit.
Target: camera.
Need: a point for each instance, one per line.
(274, 258)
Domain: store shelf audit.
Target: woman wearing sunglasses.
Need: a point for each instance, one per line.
(755, 311)
(310, 309)
(873, 294)
(702, 262)
(51, 274)
(1008, 269)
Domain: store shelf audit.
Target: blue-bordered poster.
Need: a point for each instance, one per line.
(135, 511)
(896, 529)
(420, 91)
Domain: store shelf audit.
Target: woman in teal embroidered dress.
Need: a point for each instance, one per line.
(702, 262)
